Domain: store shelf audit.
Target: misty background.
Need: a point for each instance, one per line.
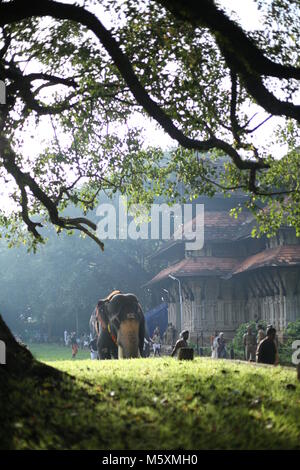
(57, 288)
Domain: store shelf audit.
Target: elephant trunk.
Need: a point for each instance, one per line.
(128, 339)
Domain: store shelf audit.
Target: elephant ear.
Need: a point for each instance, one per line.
(101, 314)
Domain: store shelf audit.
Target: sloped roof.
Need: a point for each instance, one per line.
(219, 226)
(286, 255)
(197, 266)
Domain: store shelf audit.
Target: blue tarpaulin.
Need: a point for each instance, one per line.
(157, 316)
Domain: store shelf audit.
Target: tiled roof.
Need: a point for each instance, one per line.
(219, 226)
(287, 255)
(197, 266)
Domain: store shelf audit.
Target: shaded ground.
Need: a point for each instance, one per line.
(154, 404)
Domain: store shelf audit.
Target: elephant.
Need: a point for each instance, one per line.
(119, 324)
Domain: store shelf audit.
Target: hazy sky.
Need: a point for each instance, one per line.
(249, 17)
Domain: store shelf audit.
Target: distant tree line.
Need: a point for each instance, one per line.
(59, 286)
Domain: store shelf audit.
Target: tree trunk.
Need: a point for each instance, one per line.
(19, 360)
(18, 357)
(20, 365)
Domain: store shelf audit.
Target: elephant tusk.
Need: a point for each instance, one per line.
(120, 352)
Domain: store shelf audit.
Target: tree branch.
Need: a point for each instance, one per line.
(23, 85)
(234, 123)
(25, 216)
(240, 52)
(229, 35)
(23, 180)
(9, 14)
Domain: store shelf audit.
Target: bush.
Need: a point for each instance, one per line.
(201, 350)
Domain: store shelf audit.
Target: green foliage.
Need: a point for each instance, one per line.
(292, 330)
(91, 144)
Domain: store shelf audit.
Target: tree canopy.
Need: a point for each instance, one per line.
(209, 83)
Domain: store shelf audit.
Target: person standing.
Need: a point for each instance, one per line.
(167, 338)
(66, 337)
(260, 334)
(267, 350)
(74, 345)
(156, 342)
(249, 341)
(276, 337)
(156, 331)
(174, 335)
(214, 345)
(222, 353)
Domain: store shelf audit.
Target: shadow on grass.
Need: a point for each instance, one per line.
(150, 404)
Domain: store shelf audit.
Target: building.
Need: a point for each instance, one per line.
(233, 279)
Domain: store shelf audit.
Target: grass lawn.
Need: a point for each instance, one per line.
(55, 352)
(155, 403)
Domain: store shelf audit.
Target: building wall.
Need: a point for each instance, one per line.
(172, 313)
(214, 304)
(271, 294)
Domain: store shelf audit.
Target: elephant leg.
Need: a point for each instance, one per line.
(103, 345)
(113, 350)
